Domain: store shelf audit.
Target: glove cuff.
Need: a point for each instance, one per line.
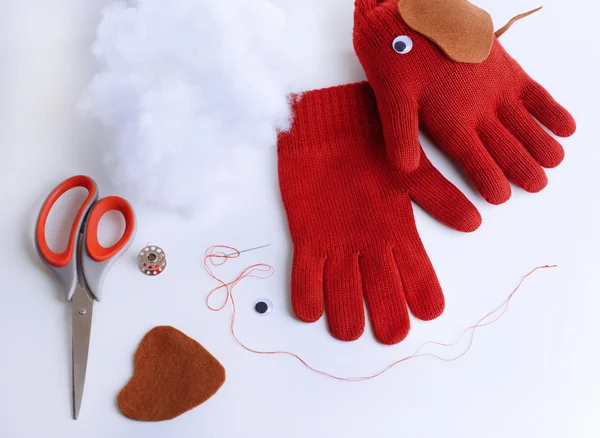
(331, 118)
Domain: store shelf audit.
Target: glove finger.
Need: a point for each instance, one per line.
(421, 286)
(440, 198)
(518, 165)
(549, 112)
(384, 295)
(344, 297)
(464, 145)
(307, 285)
(541, 145)
(400, 123)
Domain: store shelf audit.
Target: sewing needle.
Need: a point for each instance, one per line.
(248, 250)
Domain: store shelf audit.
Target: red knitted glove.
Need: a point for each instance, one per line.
(437, 62)
(351, 219)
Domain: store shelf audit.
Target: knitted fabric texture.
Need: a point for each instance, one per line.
(172, 374)
(481, 114)
(351, 220)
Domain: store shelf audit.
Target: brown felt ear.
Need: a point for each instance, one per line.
(172, 374)
(464, 32)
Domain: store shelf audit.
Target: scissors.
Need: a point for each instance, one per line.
(81, 268)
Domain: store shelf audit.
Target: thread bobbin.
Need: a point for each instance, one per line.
(152, 260)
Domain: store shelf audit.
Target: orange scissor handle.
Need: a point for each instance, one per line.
(97, 252)
(59, 260)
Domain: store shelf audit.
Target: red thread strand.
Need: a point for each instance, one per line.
(216, 256)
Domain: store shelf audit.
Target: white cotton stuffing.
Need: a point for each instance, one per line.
(183, 85)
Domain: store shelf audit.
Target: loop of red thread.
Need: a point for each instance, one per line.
(216, 256)
(216, 252)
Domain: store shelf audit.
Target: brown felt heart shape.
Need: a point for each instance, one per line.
(463, 31)
(172, 374)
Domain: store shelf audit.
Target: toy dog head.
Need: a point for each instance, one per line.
(420, 41)
(457, 29)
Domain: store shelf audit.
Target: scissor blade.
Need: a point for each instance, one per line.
(81, 314)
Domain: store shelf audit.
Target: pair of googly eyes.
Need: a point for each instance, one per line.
(402, 44)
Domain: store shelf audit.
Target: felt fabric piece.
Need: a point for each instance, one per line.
(460, 29)
(484, 115)
(172, 374)
(351, 219)
(513, 20)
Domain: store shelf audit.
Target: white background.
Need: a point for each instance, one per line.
(534, 373)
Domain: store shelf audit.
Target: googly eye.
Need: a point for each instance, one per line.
(402, 44)
(263, 306)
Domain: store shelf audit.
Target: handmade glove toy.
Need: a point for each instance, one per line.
(351, 219)
(438, 63)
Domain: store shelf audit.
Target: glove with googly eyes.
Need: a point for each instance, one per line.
(439, 64)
